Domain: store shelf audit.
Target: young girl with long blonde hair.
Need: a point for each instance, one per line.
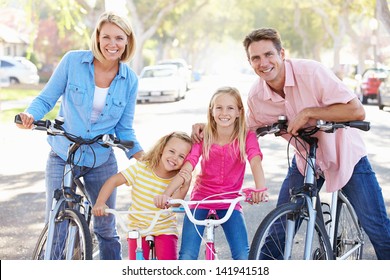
(148, 178)
(225, 147)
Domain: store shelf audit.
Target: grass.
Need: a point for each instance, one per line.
(16, 93)
(20, 93)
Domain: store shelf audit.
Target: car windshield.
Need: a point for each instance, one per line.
(155, 73)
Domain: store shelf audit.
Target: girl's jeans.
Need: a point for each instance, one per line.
(234, 229)
(365, 195)
(94, 178)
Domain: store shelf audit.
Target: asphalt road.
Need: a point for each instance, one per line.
(23, 154)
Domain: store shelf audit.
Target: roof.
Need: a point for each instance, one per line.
(10, 35)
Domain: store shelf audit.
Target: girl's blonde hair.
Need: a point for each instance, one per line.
(240, 129)
(153, 156)
(123, 24)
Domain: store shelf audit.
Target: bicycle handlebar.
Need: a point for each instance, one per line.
(280, 127)
(55, 128)
(245, 195)
(125, 227)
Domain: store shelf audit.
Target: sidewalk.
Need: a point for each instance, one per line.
(11, 104)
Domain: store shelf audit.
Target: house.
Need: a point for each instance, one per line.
(11, 42)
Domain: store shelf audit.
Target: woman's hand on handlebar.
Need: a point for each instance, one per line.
(27, 121)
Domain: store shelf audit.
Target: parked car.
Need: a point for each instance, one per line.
(384, 91)
(370, 82)
(183, 67)
(161, 83)
(18, 70)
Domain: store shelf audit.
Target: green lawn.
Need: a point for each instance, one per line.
(19, 93)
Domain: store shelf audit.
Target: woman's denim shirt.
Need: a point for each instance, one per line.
(74, 81)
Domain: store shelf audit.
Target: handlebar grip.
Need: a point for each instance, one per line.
(362, 125)
(40, 123)
(127, 144)
(18, 119)
(262, 131)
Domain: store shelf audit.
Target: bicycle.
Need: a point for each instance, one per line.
(66, 234)
(135, 234)
(298, 229)
(212, 221)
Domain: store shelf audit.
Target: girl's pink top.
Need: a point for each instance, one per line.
(222, 172)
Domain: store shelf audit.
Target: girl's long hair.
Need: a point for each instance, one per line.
(240, 129)
(153, 156)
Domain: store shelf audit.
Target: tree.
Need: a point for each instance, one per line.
(383, 13)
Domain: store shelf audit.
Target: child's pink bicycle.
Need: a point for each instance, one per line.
(212, 220)
(135, 234)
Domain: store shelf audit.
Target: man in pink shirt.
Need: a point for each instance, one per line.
(306, 91)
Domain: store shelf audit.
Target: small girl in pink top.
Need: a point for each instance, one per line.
(226, 144)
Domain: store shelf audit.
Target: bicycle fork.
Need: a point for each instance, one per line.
(294, 222)
(59, 201)
(210, 253)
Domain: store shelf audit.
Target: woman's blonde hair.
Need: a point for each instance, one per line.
(123, 24)
(240, 130)
(153, 156)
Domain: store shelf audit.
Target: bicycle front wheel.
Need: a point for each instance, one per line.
(270, 237)
(349, 237)
(71, 238)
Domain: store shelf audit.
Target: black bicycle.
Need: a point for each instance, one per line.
(306, 228)
(67, 234)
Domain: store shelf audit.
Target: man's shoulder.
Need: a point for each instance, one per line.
(306, 66)
(302, 62)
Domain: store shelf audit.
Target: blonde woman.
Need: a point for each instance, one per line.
(98, 91)
(225, 147)
(148, 178)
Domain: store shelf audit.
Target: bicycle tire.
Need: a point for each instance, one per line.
(348, 233)
(81, 240)
(265, 245)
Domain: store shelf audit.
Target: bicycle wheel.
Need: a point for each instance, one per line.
(269, 240)
(71, 239)
(349, 238)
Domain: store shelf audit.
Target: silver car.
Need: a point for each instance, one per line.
(18, 70)
(161, 83)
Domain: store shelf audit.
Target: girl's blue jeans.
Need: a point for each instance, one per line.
(234, 229)
(365, 195)
(94, 178)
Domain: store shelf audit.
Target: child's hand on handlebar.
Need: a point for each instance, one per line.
(99, 210)
(258, 197)
(255, 196)
(161, 201)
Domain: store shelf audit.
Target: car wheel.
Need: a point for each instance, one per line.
(364, 99)
(13, 81)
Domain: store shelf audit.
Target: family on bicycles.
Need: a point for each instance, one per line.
(98, 91)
